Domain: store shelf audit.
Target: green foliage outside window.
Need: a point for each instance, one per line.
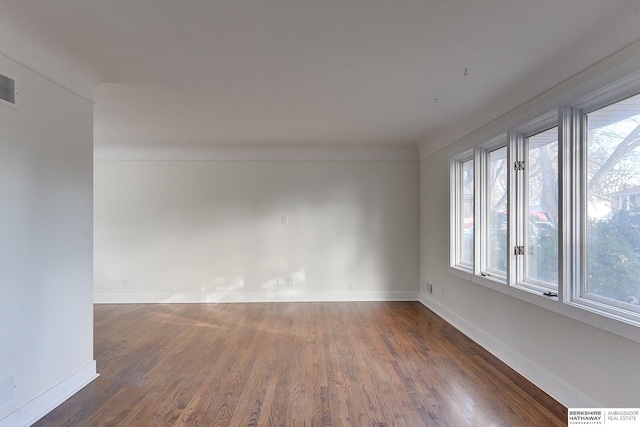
(614, 257)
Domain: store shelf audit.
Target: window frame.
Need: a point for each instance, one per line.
(457, 208)
(576, 115)
(482, 239)
(519, 140)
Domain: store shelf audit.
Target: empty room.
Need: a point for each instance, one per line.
(320, 213)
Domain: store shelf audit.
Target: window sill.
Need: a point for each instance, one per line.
(621, 326)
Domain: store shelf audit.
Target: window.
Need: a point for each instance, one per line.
(612, 214)
(554, 210)
(497, 213)
(539, 225)
(463, 204)
(467, 211)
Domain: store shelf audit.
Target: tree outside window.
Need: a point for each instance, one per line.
(613, 215)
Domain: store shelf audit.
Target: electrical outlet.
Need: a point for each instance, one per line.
(430, 288)
(350, 285)
(279, 282)
(291, 281)
(125, 281)
(285, 219)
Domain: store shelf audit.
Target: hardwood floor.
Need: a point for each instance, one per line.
(296, 364)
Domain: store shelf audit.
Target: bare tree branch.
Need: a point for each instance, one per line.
(628, 144)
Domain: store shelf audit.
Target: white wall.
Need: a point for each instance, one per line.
(46, 337)
(212, 230)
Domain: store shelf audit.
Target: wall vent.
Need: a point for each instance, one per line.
(7, 90)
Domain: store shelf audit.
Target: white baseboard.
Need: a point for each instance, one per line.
(253, 297)
(50, 399)
(549, 383)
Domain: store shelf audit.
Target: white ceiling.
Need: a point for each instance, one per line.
(249, 72)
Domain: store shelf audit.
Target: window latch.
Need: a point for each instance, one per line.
(518, 250)
(518, 165)
(550, 294)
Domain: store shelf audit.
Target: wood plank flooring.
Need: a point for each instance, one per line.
(296, 364)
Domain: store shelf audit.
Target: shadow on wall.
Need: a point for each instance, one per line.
(215, 229)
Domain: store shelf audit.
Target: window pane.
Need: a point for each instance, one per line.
(497, 210)
(541, 229)
(467, 212)
(613, 197)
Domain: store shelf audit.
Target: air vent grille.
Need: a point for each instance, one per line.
(7, 89)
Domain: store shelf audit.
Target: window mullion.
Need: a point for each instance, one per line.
(480, 191)
(569, 234)
(515, 185)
